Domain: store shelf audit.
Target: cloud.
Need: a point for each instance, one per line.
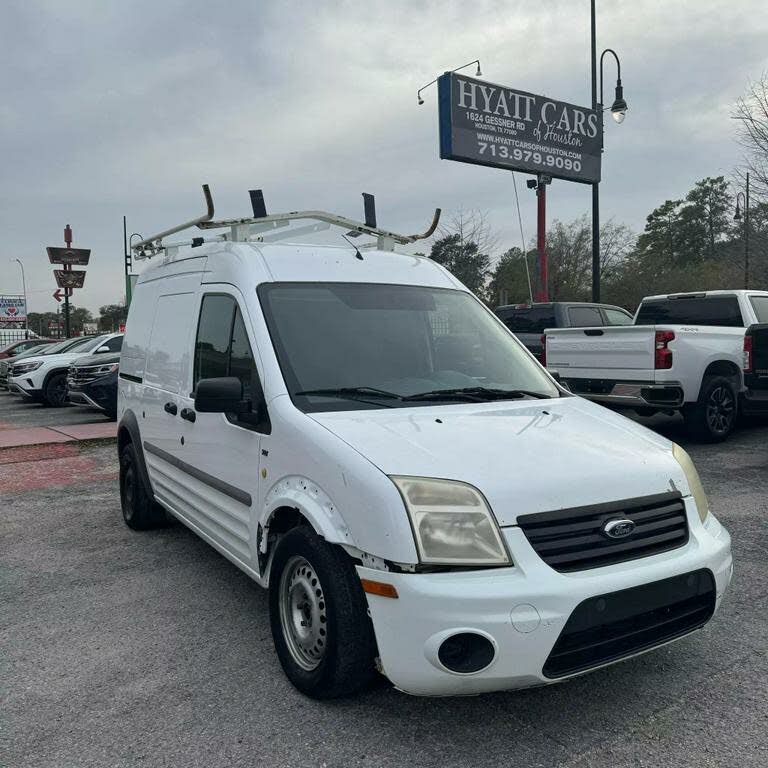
(126, 108)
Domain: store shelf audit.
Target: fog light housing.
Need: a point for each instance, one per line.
(466, 652)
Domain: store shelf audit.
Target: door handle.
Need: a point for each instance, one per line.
(188, 414)
(171, 408)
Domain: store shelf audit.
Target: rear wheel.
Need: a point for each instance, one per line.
(320, 625)
(713, 417)
(55, 392)
(140, 511)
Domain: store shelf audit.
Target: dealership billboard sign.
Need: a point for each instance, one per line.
(13, 309)
(503, 127)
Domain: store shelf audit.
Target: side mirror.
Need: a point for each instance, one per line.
(223, 394)
(101, 349)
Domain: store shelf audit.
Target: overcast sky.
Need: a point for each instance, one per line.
(112, 108)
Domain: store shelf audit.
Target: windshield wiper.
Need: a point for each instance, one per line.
(477, 394)
(351, 393)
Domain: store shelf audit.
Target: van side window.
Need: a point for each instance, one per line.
(214, 332)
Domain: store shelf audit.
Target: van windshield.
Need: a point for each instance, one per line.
(344, 346)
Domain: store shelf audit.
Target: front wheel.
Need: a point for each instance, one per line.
(318, 613)
(55, 392)
(713, 417)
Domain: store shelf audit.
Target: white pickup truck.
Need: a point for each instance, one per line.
(684, 352)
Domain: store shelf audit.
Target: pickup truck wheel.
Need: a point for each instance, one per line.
(319, 617)
(140, 511)
(713, 417)
(55, 393)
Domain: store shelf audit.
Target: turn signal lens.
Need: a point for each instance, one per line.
(379, 588)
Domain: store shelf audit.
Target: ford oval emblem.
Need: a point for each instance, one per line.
(618, 529)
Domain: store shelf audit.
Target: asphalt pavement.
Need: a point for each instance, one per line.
(150, 649)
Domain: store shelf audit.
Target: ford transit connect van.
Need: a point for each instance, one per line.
(359, 434)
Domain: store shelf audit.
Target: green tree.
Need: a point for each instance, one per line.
(463, 259)
(509, 279)
(111, 316)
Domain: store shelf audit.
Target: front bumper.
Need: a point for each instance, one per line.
(22, 385)
(100, 393)
(521, 609)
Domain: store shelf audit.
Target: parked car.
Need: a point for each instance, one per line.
(362, 436)
(47, 349)
(684, 352)
(44, 378)
(15, 348)
(529, 321)
(756, 367)
(92, 380)
(9, 335)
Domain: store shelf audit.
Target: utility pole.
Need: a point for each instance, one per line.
(541, 238)
(746, 235)
(596, 184)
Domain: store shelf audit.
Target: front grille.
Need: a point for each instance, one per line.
(608, 627)
(573, 539)
(77, 376)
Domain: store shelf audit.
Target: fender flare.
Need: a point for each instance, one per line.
(128, 431)
(309, 499)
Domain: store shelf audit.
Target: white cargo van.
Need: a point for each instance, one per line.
(357, 432)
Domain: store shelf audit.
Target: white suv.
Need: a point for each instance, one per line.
(44, 378)
(358, 433)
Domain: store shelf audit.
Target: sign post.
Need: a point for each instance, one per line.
(68, 278)
(501, 127)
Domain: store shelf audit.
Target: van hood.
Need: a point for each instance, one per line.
(525, 457)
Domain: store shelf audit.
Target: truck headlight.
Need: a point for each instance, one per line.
(452, 523)
(694, 481)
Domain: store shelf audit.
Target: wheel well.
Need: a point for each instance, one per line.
(282, 520)
(123, 438)
(723, 368)
(51, 374)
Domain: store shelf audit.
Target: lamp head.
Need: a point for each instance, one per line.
(737, 215)
(421, 101)
(619, 106)
(478, 73)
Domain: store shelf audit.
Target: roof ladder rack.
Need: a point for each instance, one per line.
(245, 229)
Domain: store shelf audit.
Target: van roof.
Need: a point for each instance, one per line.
(255, 263)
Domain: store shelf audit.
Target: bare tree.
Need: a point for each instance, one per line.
(471, 225)
(751, 115)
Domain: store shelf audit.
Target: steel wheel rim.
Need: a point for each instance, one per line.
(303, 614)
(720, 409)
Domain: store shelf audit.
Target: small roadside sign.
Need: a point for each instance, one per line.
(58, 295)
(78, 257)
(71, 278)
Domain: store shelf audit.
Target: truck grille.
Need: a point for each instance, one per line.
(608, 627)
(573, 539)
(79, 375)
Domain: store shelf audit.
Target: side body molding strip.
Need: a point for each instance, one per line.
(214, 482)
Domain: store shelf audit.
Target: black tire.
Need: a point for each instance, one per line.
(55, 391)
(713, 417)
(345, 646)
(140, 511)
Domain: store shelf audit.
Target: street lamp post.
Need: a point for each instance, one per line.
(24, 288)
(744, 197)
(619, 111)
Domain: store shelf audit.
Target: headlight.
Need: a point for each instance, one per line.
(452, 523)
(694, 482)
(105, 369)
(17, 370)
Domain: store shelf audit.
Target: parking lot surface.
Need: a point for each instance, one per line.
(124, 648)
